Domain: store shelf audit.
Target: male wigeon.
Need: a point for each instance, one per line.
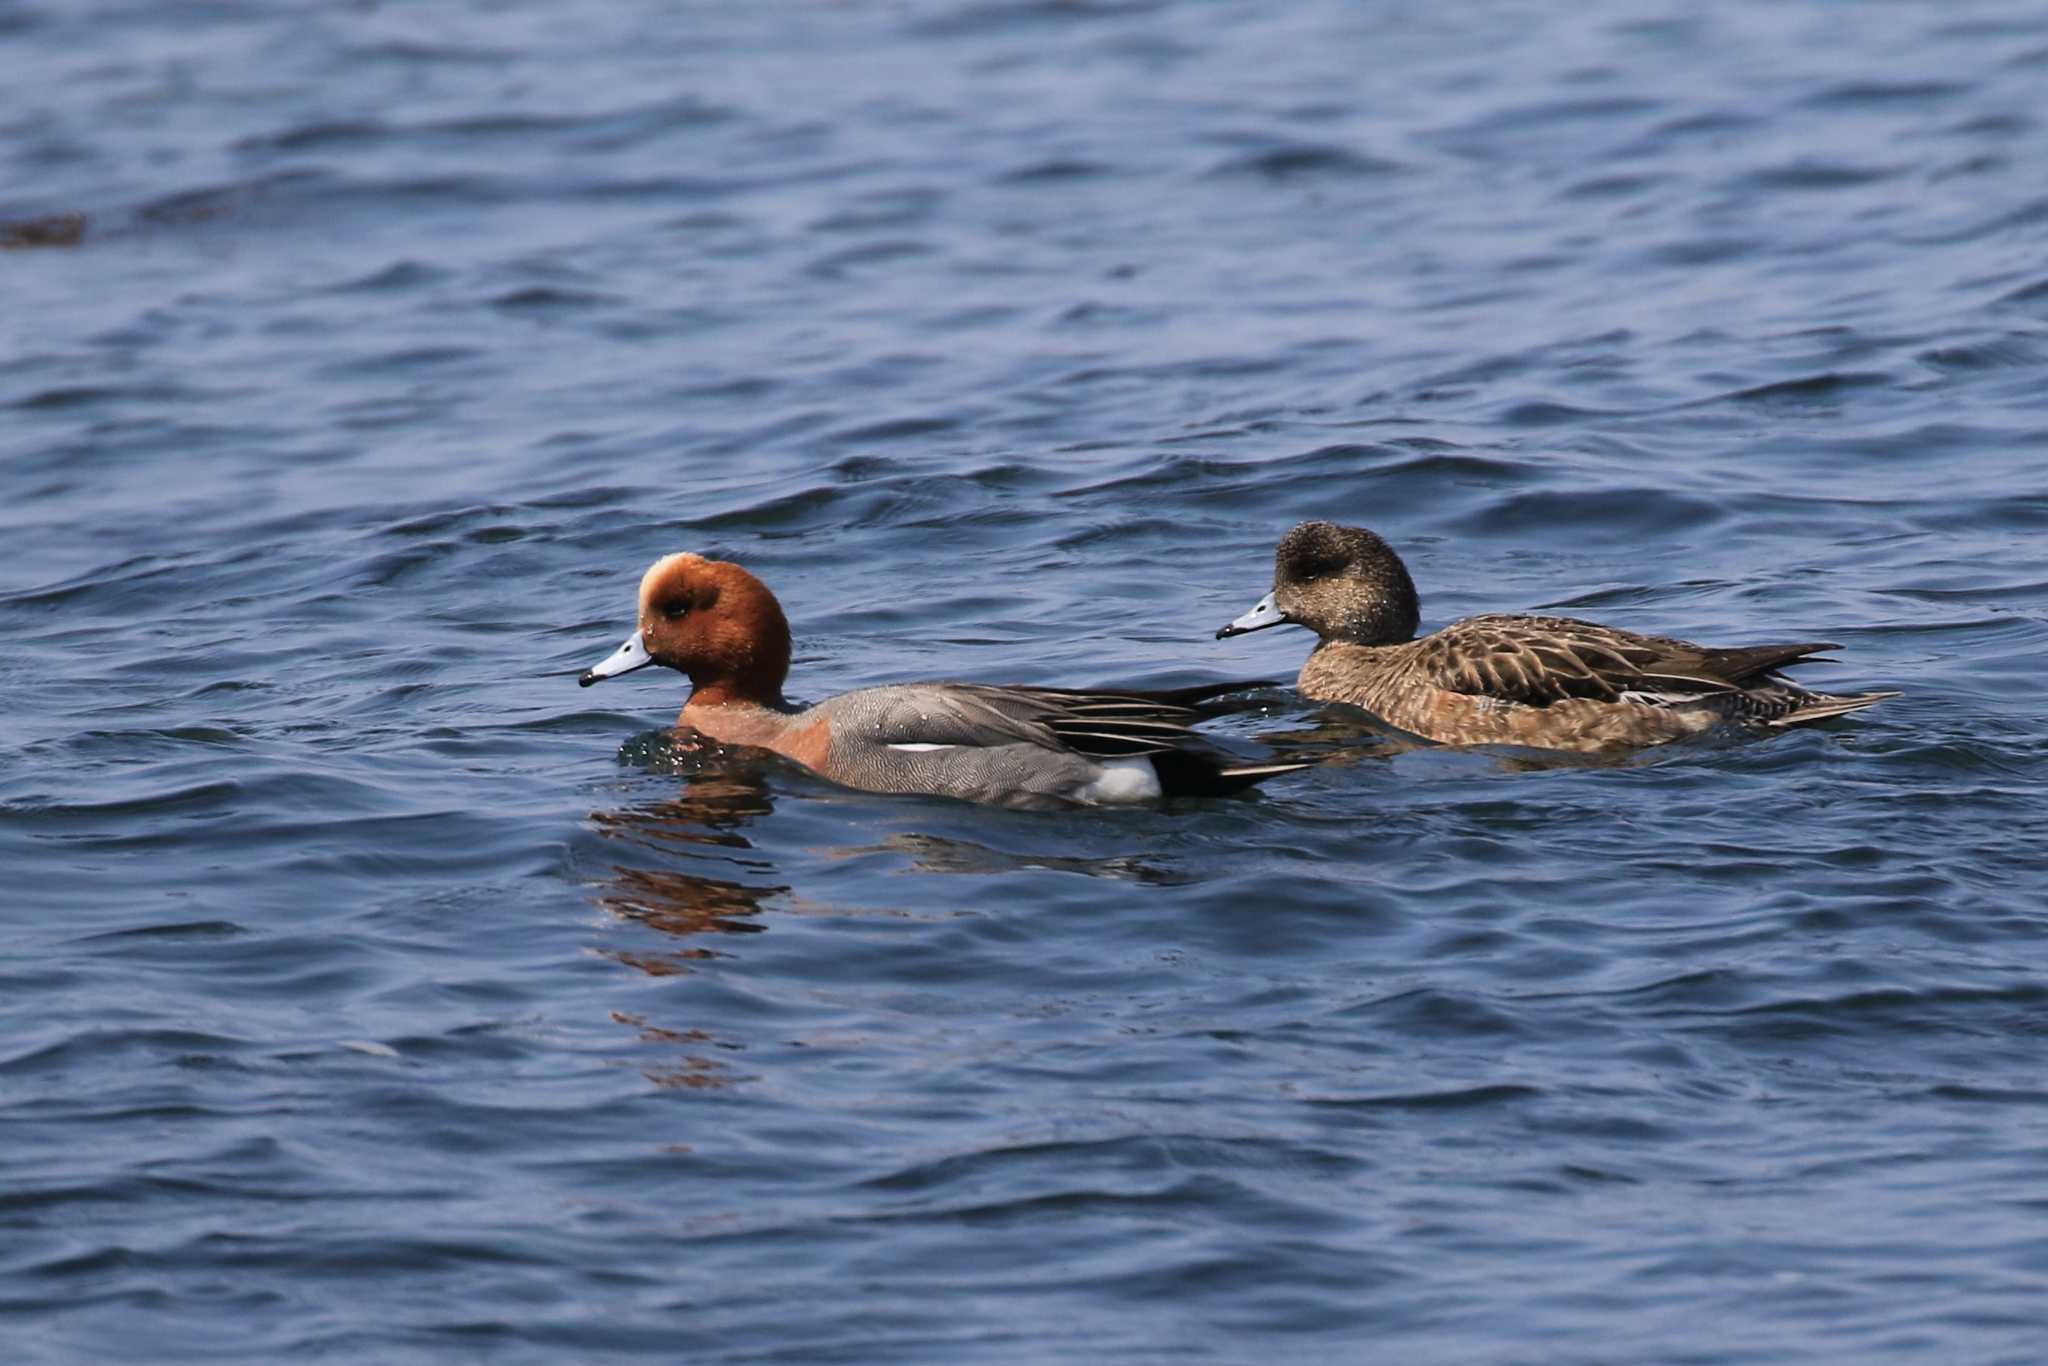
(1542, 682)
(1009, 746)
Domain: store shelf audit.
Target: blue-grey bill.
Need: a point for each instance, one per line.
(1258, 619)
(628, 657)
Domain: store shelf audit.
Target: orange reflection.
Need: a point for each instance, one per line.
(701, 824)
(699, 828)
(695, 1071)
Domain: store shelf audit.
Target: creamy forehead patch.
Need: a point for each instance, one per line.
(656, 570)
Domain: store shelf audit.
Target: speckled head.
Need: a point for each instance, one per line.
(1344, 583)
(715, 622)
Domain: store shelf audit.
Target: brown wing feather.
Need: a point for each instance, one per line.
(1540, 660)
(1748, 665)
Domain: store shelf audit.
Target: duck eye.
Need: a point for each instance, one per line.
(675, 609)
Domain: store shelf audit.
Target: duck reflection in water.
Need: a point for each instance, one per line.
(702, 824)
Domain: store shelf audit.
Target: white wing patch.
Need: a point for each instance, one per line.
(1123, 780)
(917, 747)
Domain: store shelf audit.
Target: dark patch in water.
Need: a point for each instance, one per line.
(49, 230)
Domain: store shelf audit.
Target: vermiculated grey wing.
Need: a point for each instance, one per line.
(1105, 725)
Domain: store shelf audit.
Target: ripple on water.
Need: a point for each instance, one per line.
(375, 990)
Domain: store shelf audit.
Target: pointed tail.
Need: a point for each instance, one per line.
(1820, 706)
(1185, 773)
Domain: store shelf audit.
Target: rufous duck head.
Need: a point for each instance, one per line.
(715, 622)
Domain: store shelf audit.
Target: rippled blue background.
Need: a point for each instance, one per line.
(370, 992)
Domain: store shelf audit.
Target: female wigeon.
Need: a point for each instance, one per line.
(1543, 682)
(1010, 746)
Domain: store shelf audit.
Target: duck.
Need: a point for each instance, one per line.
(1010, 746)
(1527, 681)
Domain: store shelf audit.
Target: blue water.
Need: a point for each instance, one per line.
(368, 991)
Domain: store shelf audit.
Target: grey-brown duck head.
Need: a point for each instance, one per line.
(1342, 582)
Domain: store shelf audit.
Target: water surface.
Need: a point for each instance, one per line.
(372, 992)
